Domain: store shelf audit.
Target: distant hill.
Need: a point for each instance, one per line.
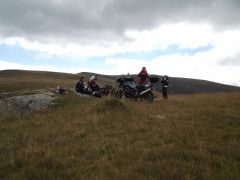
(190, 86)
(182, 85)
(11, 80)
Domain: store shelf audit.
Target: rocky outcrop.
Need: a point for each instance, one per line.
(28, 101)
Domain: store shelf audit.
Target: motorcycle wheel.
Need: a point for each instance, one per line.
(113, 92)
(97, 94)
(147, 97)
(117, 93)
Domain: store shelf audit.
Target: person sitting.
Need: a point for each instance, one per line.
(80, 88)
(92, 83)
(143, 75)
(165, 82)
(61, 90)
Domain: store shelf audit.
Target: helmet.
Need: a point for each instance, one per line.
(143, 68)
(94, 77)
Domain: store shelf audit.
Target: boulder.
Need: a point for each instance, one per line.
(41, 99)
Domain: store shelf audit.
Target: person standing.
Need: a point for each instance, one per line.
(143, 75)
(165, 82)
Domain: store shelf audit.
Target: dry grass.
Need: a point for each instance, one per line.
(28, 80)
(186, 137)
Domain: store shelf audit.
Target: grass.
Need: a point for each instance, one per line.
(17, 80)
(186, 137)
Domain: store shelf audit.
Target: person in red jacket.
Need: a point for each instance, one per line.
(143, 75)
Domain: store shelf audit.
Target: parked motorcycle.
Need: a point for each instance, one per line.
(98, 92)
(127, 86)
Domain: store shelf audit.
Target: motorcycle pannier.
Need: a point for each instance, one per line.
(153, 79)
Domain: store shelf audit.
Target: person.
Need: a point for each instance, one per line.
(80, 88)
(165, 82)
(61, 90)
(92, 83)
(143, 75)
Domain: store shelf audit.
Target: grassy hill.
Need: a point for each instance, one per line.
(11, 80)
(186, 137)
(181, 85)
(193, 86)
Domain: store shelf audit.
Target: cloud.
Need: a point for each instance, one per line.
(209, 65)
(9, 65)
(178, 66)
(89, 22)
(105, 28)
(184, 34)
(233, 61)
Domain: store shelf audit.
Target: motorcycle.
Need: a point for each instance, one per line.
(98, 92)
(127, 86)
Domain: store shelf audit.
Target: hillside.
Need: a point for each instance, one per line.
(193, 136)
(183, 85)
(11, 80)
(186, 137)
(193, 86)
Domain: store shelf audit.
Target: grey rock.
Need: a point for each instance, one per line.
(40, 99)
(30, 102)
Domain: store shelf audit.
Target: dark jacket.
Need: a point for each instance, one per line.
(80, 86)
(165, 82)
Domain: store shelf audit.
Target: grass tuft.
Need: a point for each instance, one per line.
(111, 105)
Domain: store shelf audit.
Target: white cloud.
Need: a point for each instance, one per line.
(102, 20)
(205, 65)
(184, 34)
(9, 65)
(179, 66)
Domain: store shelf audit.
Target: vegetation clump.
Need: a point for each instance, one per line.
(111, 105)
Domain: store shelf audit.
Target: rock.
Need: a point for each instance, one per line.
(30, 102)
(41, 99)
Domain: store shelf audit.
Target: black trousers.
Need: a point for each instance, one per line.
(164, 92)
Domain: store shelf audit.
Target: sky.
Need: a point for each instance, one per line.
(187, 38)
